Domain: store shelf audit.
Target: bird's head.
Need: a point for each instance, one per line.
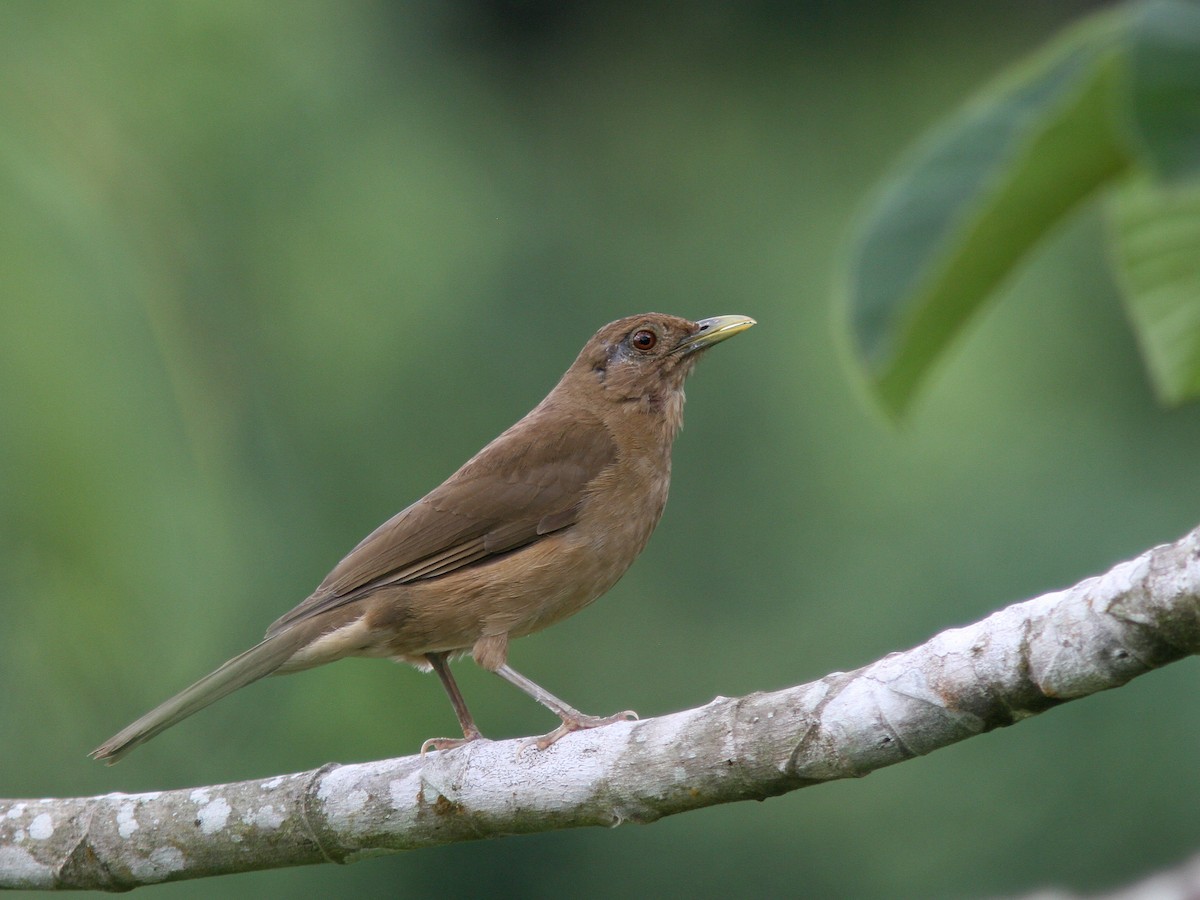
(646, 359)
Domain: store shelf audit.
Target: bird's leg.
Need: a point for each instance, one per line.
(470, 731)
(572, 719)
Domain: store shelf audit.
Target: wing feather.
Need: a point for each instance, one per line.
(512, 493)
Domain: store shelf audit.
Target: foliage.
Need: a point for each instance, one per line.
(1110, 108)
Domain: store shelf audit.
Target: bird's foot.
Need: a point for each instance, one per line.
(578, 722)
(450, 743)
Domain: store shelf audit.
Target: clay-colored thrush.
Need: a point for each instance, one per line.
(535, 527)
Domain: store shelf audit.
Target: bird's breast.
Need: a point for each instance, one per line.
(623, 506)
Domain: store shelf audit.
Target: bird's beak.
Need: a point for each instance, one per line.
(713, 331)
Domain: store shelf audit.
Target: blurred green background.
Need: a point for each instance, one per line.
(273, 271)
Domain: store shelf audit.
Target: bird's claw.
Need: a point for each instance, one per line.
(575, 723)
(448, 743)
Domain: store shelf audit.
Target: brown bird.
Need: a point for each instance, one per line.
(537, 525)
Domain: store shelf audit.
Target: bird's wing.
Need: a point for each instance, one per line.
(512, 493)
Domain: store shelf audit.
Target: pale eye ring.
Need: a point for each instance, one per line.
(643, 339)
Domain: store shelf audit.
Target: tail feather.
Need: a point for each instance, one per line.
(257, 662)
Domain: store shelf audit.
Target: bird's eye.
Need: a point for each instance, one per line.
(644, 340)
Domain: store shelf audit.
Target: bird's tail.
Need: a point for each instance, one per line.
(257, 662)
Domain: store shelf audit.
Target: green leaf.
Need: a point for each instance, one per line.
(1156, 249)
(956, 218)
(1165, 87)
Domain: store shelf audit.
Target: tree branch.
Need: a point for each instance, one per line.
(1014, 664)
